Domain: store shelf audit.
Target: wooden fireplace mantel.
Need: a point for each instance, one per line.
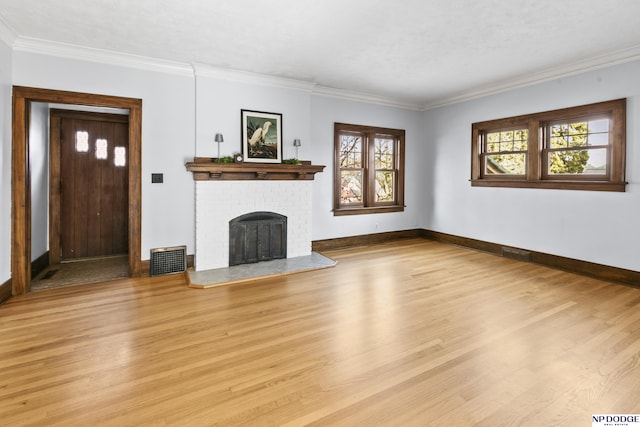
(206, 169)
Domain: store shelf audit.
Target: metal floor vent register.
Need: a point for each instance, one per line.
(168, 260)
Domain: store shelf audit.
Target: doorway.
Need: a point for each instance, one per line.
(87, 238)
(21, 196)
(89, 180)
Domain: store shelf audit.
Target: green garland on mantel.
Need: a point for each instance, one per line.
(226, 159)
(291, 161)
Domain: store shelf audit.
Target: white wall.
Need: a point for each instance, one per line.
(325, 112)
(218, 111)
(168, 115)
(310, 118)
(181, 114)
(5, 161)
(39, 170)
(600, 227)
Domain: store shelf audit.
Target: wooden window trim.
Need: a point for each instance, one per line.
(536, 175)
(369, 207)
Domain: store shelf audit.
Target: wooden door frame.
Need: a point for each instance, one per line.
(20, 175)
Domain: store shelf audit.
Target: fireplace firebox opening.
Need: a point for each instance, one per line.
(257, 237)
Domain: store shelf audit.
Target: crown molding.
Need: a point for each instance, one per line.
(7, 34)
(81, 53)
(365, 97)
(205, 70)
(594, 63)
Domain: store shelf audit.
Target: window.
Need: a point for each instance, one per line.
(369, 170)
(506, 152)
(101, 148)
(82, 141)
(578, 148)
(119, 156)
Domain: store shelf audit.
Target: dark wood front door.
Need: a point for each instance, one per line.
(93, 183)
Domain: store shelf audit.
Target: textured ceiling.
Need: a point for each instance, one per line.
(418, 52)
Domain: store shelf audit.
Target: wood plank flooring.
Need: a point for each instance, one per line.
(409, 333)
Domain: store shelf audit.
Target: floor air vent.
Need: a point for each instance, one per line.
(168, 260)
(517, 254)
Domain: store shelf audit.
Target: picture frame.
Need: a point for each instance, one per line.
(261, 136)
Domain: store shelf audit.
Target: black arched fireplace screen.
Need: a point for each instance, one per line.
(256, 237)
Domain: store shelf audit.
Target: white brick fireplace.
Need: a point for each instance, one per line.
(218, 202)
(226, 191)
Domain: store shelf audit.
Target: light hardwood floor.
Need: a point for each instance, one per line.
(400, 334)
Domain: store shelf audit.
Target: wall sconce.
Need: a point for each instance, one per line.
(297, 144)
(219, 139)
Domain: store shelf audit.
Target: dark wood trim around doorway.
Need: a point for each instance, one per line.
(20, 175)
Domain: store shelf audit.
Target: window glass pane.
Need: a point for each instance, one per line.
(558, 142)
(82, 141)
(350, 187)
(384, 153)
(119, 156)
(597, 164)
(520, 146)
(601, 125)
(581, 162)
(506, 136)
(577, 140)
(506, 146)
(573, 136)
(350, 151)
(598, 139)
(505, 164)
(384, 186)
(578, 128)
(101, 148)
(515, 140)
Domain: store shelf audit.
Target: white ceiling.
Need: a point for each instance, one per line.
(415, 52)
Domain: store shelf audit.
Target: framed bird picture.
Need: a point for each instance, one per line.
(261, 136)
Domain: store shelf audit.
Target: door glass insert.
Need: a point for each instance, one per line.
(119, 156)
(101, 148)
(82, 141)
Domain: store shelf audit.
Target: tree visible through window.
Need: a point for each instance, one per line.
(580, 148)
(506, 152)
(351, 170)
(369, 169)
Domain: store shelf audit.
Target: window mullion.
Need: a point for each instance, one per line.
(617, 132)
(369, 169)
(477, 141)
(534, 151)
